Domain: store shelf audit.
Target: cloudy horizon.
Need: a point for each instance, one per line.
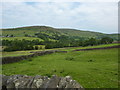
(93, 16)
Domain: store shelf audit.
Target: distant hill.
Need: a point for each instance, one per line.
(50, 31)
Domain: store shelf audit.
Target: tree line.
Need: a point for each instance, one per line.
(63, 41)
(76, 43)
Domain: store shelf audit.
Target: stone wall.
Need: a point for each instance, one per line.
(24, 81)
(117, 46)
(6, 60)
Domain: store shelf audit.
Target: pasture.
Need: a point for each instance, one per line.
(97, 46)
(27, 52)
(21, 38)
(92, 69)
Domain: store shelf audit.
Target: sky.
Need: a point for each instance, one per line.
(90, 16)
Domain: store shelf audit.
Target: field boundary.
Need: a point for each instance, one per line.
(7, 60)
(31, 82)
(110, 47)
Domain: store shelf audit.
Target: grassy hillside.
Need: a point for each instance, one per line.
(30, 30)
(92, 69)
(20, 32)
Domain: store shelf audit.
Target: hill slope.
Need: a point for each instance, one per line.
(32, 30)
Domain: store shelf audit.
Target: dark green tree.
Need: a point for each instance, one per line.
(106, 40)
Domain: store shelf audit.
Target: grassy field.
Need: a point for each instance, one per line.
(15, 53)
(26, 38)
(19, 53)
(92, 69)
(21, 38)
(27, 52)
(98, 46)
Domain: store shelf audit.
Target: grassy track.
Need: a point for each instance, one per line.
(92, 69)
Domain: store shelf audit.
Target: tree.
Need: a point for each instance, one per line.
(36, 48)
(92, 41)
(48, 46)
(26, 35)
(106, 40)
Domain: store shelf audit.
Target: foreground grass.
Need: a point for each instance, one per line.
(92, 69)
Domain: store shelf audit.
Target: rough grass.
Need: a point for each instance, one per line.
(92, 69)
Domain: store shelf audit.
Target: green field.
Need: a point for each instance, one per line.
(92, 69)
(15, 53)
(21, 38)
(27, 52)
(98, 46)
(19, 53)
(26, 38)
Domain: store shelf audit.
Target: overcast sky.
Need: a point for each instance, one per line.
(93, 16)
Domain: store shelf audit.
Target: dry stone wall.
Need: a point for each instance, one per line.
(23, 81)
(6, 60)
(117, 46)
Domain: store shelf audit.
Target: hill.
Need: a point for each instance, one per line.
(51, 32)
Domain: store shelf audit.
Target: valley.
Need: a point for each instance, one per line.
(90, 58)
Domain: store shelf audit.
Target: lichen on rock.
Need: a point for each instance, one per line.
(24, 81)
